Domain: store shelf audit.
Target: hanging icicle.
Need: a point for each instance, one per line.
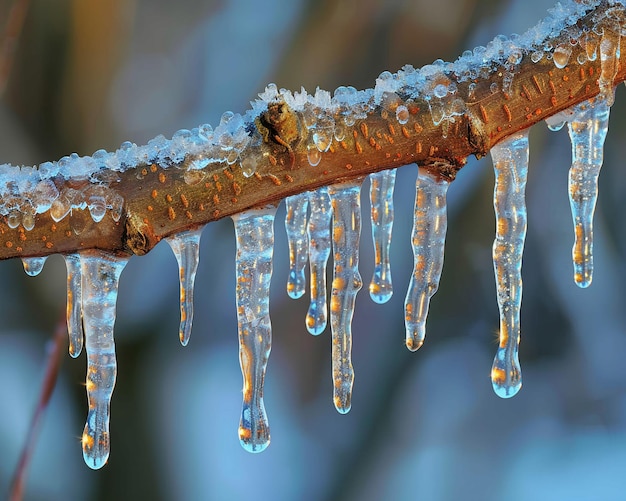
(428, 239)
(318, 231)
(587, 131)
(381, 201)
(100, 278)
(510, 160)
(186, 248)
(346, 204)
(74, 300)
(33, 265)
(295, 225)
(254, 231)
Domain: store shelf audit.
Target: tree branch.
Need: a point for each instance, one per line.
(435, 117)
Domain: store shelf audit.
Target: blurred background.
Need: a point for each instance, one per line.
(425, 425)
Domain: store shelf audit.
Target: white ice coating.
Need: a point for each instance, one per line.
(428, 238)
(587, 129)
(33, 265)
(318, 231)
(254, 231)
(381, 201)
(186, 248)
(100, 278)
(298, 241)
(346, 204)
(74, 304)
(510, 161)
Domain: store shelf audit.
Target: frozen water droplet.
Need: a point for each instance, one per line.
(186, 248)
(14, 219)
(428, 240)
(28, 217)
(340, 132)
(97, 207)
(254, 231)
(510, 159)
(322, 137)
(296, 227)
(318, 230)
(536, 56)
(561, 55)
(314, 155)
(587, 130)
(346, 204)
(248, 165)
(402, 114)
(60, 208)
(74, 300)
(440, 91)
(609, 64)
(33, 265)
(381, 201)
(100, 278)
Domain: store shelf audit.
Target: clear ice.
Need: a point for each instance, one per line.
(254, 231)
(381, 201)
(33, 265)
(186, 248)
(510, 160)
(318, 230)
(74, 300)
(100, 278)
(346, 204)
(428, 239)
(298, 241)
(587, 131)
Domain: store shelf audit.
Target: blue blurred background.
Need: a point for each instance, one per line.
(423, 425)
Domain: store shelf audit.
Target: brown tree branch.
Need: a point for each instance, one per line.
(164, 199)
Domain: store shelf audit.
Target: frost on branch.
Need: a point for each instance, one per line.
(315, 150)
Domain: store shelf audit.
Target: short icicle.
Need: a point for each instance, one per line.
(100, 277)
(33, 265)
(254, 231)
(587, 131)
(381, 201)
(73, 308)
(318, 230)
(428, 238)
(186, 248)
(346, 204)
(296, 228)
(510, 159)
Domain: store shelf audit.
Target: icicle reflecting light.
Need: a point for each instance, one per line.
(73, 309)
(587, 131)
(100, 278)
(510, 159)
(381, 200)
(254, 231)
(428, 239)
(33, 265)
(295, 225)
(186, 248)
(318, 231)
(346, 203)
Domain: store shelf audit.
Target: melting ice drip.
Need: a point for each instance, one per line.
(254, 231)
(510, 159)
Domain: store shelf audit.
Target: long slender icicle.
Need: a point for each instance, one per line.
(318, 231)
(100, 278)
(428, 238)
(381, 200)
(186, 248)
(254, 231)
(295, 225)
(510, 159)
(346, 203)
(587, 131)
(74, 299)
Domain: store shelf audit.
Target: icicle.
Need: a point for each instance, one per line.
(428, 239)
(33, 265)
(609, 63)
(381, 200)
(587, 131)
(74, 294)
(510, 159)
(295, 225)
(346, 204)
(255, 244)
(186, 248)
(318, 231)
(100, 277)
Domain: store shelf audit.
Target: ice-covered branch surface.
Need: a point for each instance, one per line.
(315, 150)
